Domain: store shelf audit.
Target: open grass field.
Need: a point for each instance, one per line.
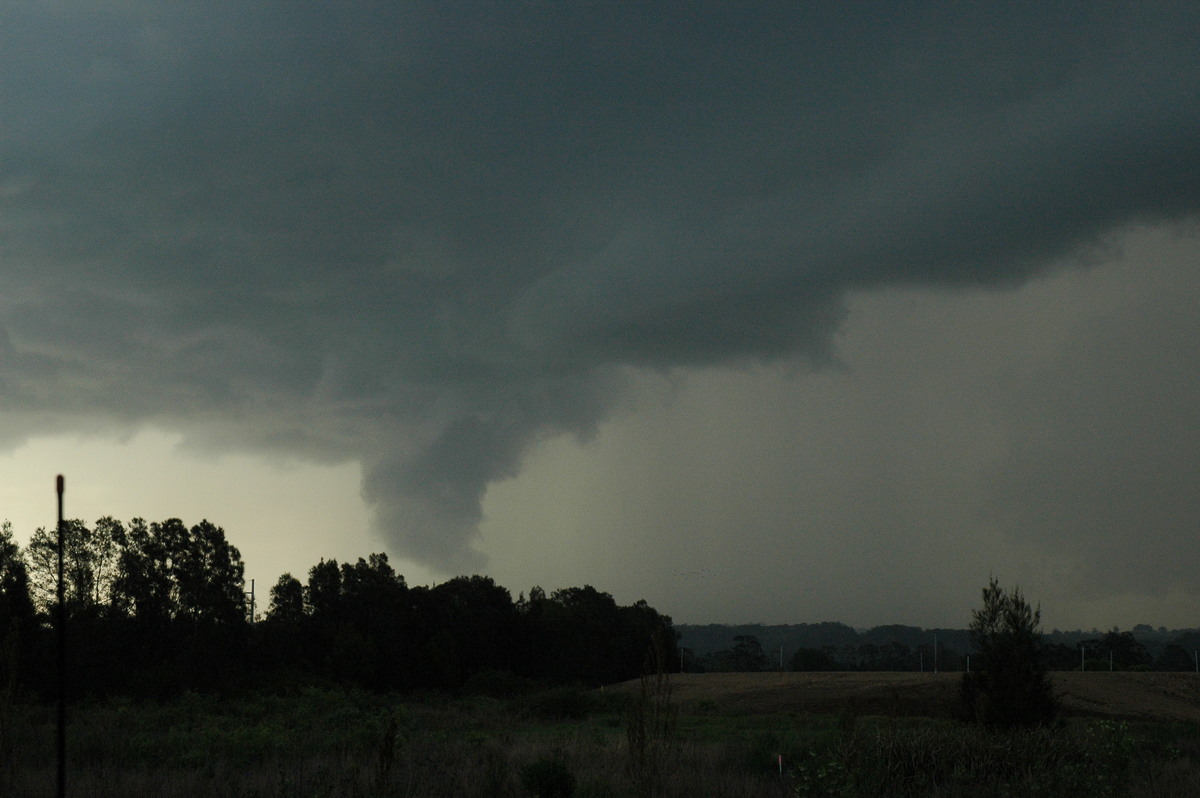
(1119, 695)
(719, 736)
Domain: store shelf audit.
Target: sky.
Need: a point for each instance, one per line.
(768, 312)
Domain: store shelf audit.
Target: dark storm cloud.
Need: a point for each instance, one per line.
(425, 234)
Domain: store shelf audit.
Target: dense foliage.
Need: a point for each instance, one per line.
(158, 608)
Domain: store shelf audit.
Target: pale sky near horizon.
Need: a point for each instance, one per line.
(767, 313)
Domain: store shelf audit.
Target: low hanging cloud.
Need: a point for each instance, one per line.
(427, 235)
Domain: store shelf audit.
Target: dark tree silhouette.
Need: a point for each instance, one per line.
(208, 574)
(1008, 684)
(16, 601)
(748, 654)
(482, 623)
(812, 659)
(323, 596)
(17, 617)
(90, 562)
(158, 608)
(143, 588)
(1175, 658)
(1118, 650)
(287, 601)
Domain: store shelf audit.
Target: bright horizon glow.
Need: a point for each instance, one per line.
(283, 515)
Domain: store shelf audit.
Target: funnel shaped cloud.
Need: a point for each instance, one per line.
(426, 235)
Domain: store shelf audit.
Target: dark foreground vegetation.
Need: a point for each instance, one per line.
(566, 742)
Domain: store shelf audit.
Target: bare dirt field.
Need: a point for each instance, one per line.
(1147, 696)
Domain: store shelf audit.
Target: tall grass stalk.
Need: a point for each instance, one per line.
(650, 725)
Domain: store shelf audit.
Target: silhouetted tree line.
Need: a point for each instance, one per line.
(156, 608)
(747, 655)
(832, 646)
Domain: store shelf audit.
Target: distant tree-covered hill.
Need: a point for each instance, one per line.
(835, 646)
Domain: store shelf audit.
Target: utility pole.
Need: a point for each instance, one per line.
(62, 650)
(935, 662)
(250, 593)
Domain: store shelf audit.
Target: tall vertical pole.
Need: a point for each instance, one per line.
(248, 596)
(62, 650)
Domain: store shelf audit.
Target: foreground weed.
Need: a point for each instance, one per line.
(650, 725)
(385, 753)
(821, 773)
(494, 779)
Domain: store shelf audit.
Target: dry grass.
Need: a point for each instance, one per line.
(349, 745)
(1127, 695)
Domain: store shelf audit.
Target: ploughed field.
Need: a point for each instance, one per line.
(1119, 694)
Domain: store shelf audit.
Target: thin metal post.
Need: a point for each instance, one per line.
(62, 650)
